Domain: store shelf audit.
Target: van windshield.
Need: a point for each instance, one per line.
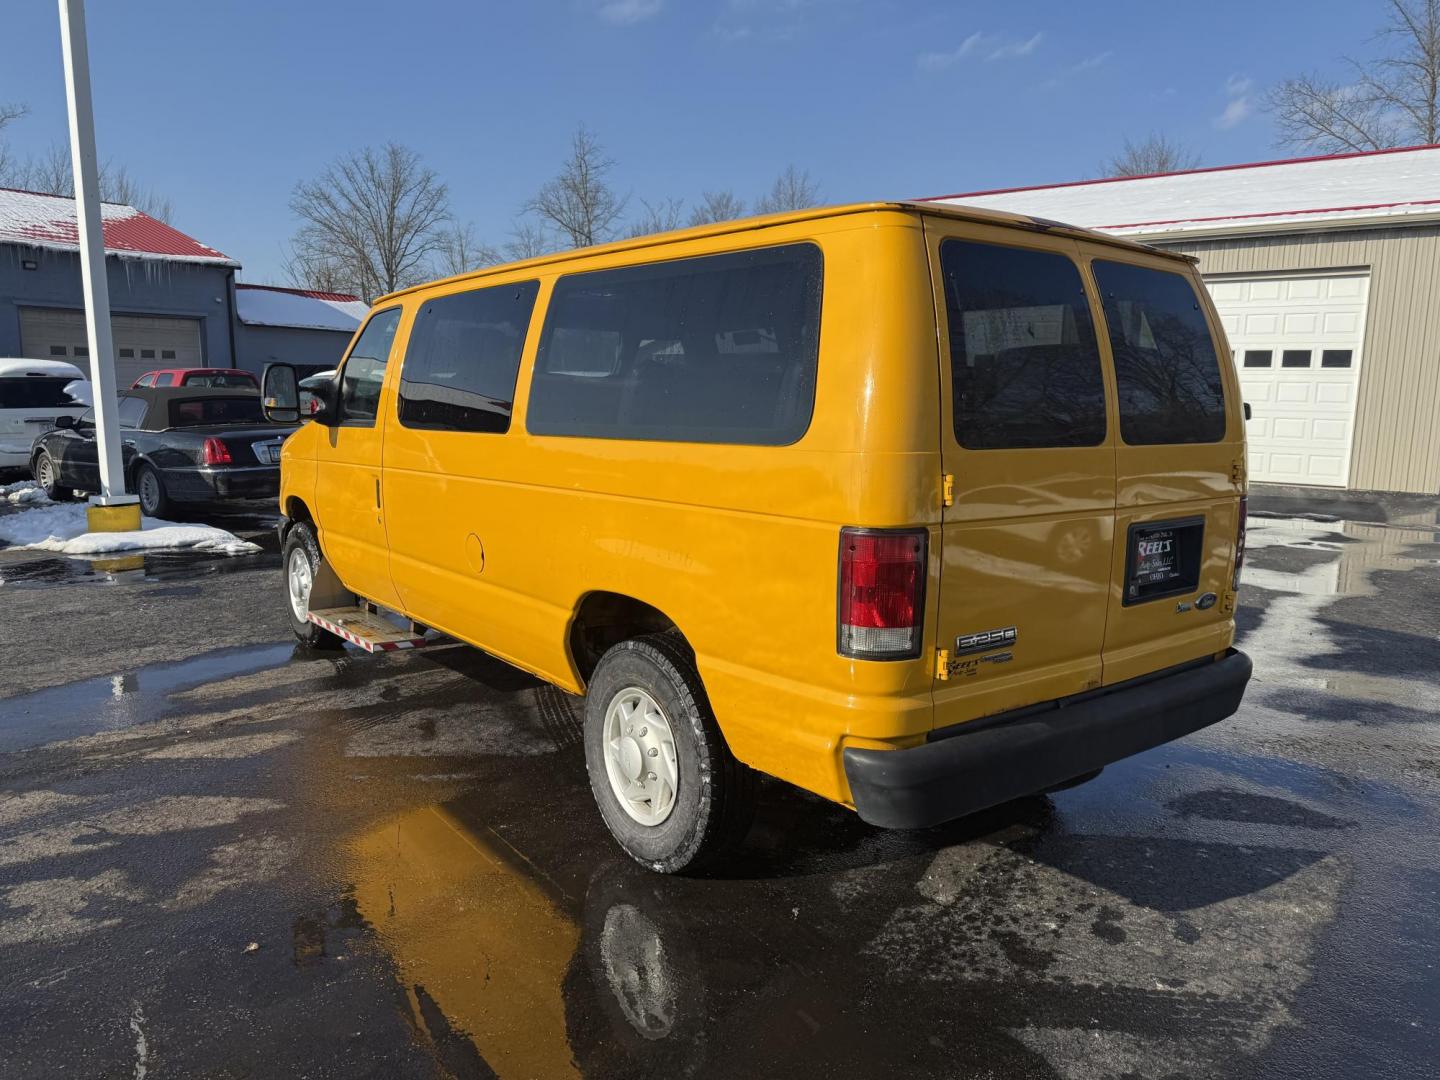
(35, 392)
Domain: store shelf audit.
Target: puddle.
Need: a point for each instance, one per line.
(111, 702)
(20, 571)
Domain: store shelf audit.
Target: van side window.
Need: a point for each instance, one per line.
(1024, 362)
(364, 370)
(1166, 370)
(715, 349)
(461, 361)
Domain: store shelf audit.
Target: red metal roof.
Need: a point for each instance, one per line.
(40, 220)
(314, 294)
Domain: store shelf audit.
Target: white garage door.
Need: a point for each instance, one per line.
(142, 342)
(1297, 348)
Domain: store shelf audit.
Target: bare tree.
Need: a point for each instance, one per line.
(663, 216)
(528, 241)
(793, 190)
(1153, 154)
(315, 272)
(51, 174)
(376, 216)
(717, 206)
(1392, 101)
(460, 252)
(579, 202)
(9, 113)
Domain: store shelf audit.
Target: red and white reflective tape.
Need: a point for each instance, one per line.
(365, 643)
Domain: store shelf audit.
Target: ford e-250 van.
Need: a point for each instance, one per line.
(917, 507)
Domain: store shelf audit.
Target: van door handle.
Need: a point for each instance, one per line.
(377, 493)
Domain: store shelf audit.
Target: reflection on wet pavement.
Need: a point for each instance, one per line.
(410, 842)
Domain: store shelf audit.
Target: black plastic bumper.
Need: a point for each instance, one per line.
(974, 766)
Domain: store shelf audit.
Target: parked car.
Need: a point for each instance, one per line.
(309, 404)
(921, 508)
(235, 378)
(33, 393)
(180, 445)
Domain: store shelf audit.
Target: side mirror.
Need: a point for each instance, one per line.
(318, 397)
(280, 394)
(1247, 410)
(66, 421)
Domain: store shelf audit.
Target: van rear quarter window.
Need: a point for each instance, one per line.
(462, 358)
(718, 349)
(1024, 363)
(1166, 369)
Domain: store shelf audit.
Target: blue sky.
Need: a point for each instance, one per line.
(224, 106)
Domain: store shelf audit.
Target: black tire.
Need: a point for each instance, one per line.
(715, 794)
(300, 543)
(47, 475)
(150, 489)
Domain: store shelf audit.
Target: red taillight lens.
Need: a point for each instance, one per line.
(216, 452)
(1240, 540)
(882, 593)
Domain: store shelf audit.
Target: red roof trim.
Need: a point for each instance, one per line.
(315, 294)
(1183, 172)
(1273, 213)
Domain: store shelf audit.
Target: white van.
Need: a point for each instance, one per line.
(32, 394)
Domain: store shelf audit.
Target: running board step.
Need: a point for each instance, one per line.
(367, 629)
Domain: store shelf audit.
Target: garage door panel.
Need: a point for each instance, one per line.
(142, 342)
(1303, 417)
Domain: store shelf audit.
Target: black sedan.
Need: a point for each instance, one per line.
(179, 445)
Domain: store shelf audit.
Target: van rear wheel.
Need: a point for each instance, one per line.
(670, 791)
(301, 561)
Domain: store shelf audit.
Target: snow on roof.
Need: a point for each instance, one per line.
(48, 221)
(1385, 187)
(310, 309)
(15, 366)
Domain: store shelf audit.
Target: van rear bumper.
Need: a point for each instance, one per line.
(980, 764)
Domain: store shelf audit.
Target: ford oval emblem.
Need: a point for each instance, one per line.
(1206, 601)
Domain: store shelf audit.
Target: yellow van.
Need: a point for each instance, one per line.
(917, 507)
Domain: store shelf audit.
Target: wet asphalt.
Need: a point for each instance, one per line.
(224, 856)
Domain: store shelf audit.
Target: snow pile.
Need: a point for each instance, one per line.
(60, 527)
(22, 493)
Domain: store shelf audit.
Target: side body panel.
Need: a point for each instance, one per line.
(498, 539)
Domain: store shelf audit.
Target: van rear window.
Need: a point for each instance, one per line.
(1166, 370)
(715, 349)
(35, 392)
(1024, 362)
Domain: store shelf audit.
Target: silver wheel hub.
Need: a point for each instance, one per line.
(298, 579)
(640, 761)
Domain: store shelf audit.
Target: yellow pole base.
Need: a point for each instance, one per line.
(113, 518)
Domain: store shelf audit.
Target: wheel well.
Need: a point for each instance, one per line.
(296, 510)
(605, 619)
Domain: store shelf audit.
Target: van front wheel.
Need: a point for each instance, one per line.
(667, 786)
(301, 561)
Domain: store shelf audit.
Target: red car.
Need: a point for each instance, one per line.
(227, 377)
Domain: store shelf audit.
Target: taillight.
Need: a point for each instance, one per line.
(882, 593)
(216, 452)
(1240, 541)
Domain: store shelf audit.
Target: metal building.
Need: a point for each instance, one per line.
(1326, 274)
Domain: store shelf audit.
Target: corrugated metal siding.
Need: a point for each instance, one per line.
(1397, 419)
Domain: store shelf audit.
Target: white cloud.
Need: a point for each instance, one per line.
(626, 12)
(937, 60)
(993, 48)
(1235, 113)
(1092, 61)
(1238, 85)
(1013, 49)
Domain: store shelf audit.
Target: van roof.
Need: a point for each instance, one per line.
(949, 210)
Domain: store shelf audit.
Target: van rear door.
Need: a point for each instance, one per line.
(1028, 454)
(1179, 463)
